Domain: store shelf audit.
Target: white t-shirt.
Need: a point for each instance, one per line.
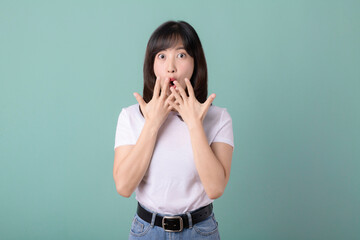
(172, 184)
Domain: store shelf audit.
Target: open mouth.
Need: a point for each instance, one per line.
(172, 82)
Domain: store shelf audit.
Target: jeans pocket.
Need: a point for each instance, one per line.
(207, 227)
(139, 227)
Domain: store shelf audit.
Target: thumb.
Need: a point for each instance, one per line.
(140, 100)
(208, 101)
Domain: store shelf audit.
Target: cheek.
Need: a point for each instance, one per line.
(189, 70)
(156, 69)
(190, 67)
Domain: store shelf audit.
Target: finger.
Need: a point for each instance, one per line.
(169, 109)
(181, 90)
(140, 100)
(156, 92)
(176, 94)
(164, 88)
(169, 99)
(189, 88)
(208, 101)
(174, 105)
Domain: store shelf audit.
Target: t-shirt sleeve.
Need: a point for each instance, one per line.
(124, 134)
(225, 130)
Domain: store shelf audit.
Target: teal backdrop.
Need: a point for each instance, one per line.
(287, 71)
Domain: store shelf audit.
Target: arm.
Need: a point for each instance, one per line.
(213, 162)
(132, 161)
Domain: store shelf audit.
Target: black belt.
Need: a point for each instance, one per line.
(178, 222)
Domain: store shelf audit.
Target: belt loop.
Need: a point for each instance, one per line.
(153, 219)
(189, 219)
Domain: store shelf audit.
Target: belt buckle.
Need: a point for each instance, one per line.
(164, 224)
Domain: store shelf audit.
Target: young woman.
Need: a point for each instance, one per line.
(173, 148)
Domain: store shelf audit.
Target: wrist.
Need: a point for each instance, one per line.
(196, 124)
(152, 127)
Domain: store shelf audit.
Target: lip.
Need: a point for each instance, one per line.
(171, 82)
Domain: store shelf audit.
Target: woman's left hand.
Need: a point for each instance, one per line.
(191, 110)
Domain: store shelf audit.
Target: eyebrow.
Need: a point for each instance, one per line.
(178, 48)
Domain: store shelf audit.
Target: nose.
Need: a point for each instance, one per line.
(171, 68)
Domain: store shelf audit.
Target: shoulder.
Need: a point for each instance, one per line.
(218, 124)
(131, 109)
(130, 113)
(216, 117)
(218, 113)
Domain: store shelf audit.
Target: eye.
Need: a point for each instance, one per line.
(181, 55)
(161, 56)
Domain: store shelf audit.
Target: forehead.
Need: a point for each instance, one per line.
(179, 45)
(168, 41)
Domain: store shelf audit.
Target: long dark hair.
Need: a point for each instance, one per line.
(166, 36)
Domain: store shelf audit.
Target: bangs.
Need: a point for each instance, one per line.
(169, 39)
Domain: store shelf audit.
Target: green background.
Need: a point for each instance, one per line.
(287, 71)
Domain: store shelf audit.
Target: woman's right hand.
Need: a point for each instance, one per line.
(157, 109)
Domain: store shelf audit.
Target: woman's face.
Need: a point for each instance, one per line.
(174, 63)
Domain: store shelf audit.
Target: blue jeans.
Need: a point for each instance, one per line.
(142, 230)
